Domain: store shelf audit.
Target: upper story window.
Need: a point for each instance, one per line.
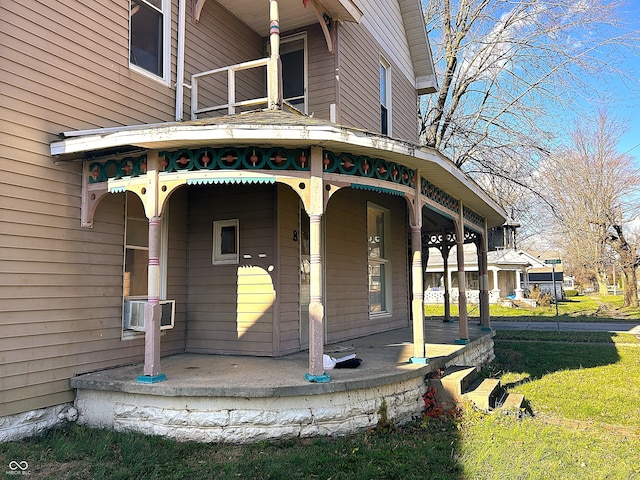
(293, 54)
(149, 30)
(385, 98)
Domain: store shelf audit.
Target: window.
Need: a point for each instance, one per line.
(385, 98)
(225, 242)
(136, 248)
(379, 264)
(149, 36)
(136, 258)
(294, 71)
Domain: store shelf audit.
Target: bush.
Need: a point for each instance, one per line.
(542, 299)
(570, 293)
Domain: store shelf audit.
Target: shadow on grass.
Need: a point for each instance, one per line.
(408, 452)
(547, 355)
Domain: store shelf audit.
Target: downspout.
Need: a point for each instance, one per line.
(180, 60)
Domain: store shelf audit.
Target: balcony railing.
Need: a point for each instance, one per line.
(231, 104)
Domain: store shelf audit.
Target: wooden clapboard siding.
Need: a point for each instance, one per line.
(383, 19)
(174, 340)
(289, 271)
(224, 314)
(347, 300)
(321, 75)
(219, 40)
(404, 107)
(359, 100)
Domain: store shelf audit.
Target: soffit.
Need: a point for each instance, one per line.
(293, 13)
(419, 47)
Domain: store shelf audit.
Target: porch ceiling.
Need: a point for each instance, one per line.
(293, 13)
(280, 129)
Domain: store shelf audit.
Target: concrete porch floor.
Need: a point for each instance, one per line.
(384, 356)
(240, 399)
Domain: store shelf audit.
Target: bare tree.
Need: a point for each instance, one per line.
(504, 66)
(593, 189)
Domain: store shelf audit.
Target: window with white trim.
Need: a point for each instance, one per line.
(385, 98)
(149, 37)
(293, 54)
(379, 264)
(136, 256)
(226, 242)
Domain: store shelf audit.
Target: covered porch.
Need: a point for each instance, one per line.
(219, 398)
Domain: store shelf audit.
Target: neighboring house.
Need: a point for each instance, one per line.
(512, 274)
(150, 209)
(508, 274)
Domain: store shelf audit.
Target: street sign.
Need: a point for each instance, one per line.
(554, 261)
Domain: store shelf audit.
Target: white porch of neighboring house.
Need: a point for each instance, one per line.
(508, 274)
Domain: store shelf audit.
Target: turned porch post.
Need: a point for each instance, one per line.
(462, 286)
(152, 312)
(316, 306)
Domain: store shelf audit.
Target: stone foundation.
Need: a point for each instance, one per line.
(244, 420)
(30, 424)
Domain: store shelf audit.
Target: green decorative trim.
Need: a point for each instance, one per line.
(473, 217)
(228, 180)
(439, 196)
(388, 191)
(257, 158)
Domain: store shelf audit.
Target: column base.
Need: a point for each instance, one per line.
(161, 377)
(462, 341)
(486, 329)
(420, 360)
(447, 321)
(324, 378)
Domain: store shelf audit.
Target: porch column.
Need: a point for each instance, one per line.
(152, 311)
(462, 287)
(274, 70)
(316, 307)
(417, 302)
(496, 288)
(483, 263)
(518, 290)
(446, 277)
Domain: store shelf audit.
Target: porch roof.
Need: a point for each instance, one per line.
(279, 129)
(293, 13)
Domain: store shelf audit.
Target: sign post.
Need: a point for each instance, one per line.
(553, 263)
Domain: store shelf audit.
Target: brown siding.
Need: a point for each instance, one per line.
(288, 320)
(347, 302)
(60, 284)
(219, 40)
(322, 74)
(230, 307)
(359, 101)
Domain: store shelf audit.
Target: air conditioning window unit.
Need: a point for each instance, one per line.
(134, 314)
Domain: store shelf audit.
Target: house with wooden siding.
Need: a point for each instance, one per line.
(214, 177)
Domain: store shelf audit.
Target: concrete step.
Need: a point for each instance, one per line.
(514, 404)
(484, 395)
(452, 384)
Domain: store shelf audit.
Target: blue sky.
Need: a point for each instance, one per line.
(625, 94)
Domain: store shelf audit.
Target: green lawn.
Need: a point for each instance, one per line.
(582, 308)
(584, 391)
